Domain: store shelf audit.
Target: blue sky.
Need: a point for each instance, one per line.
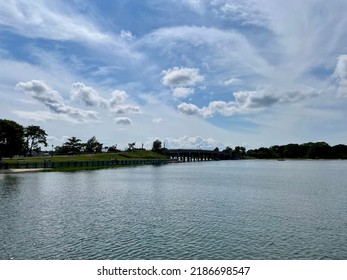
(192, 73)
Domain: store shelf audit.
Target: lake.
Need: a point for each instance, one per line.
(246, 209)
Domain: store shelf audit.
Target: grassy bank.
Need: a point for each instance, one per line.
(85, 161)
(131, 155)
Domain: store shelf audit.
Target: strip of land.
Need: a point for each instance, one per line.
(20, 170)
(81, 161)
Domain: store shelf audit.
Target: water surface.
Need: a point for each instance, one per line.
(208, 210)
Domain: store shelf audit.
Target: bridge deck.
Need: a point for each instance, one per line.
(198, 155)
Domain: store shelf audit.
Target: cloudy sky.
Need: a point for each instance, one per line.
(192, 73)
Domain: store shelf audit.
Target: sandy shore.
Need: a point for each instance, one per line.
(21, 170)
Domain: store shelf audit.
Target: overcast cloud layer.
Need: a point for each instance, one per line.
(192, 73)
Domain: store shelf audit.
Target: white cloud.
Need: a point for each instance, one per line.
(182, 80)
(192, 142)
(181, 77)
(51, 20)
(118, 97)
(341, 72)
(189, 109)
(54, 20)
(289, 50)
(232, 81)
(53, 100)
(92, 98)
(126, 109)
(245, 12)
(248, 102)
(127, 35)
(220, 48)
(182, 92)
(88, 95)
(43, 116)
(195, 5)
(123, 121)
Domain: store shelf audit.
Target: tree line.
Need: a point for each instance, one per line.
(18, 140)
(310, 150)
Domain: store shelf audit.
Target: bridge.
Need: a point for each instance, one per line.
(198, 155)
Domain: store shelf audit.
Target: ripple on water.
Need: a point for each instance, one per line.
(217, 210)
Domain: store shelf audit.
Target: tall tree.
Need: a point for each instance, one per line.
(34, 136)
(73, 145)
(93, 146)
(156, 146)
(11, 138)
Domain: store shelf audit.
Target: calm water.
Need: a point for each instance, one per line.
(210, 210)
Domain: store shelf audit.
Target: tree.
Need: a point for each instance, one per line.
(293, 151)
(228, 150)
(260, 153)
(11, 138)
(34, 135)
(93, 146)
(319, 150)
(112, 149)
(131, 146)
(156, 146)
(339, 151)
(237, 150)
(61, 150)
(277, 151)
(73, 145)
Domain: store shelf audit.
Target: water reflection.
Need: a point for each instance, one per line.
(9, 184)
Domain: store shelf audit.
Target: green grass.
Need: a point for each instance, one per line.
(138, 154)
(71, 169)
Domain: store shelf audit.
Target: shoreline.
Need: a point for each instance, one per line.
(21, 170)
(80, 168)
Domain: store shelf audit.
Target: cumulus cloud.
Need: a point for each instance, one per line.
(118, 97)
(88, 95)
(91, 97)
(247, 102)
(53, 100)
(123, 121)
(341, 72)
(182, 92)
(181, 77)
(192, 142)
(126, 109)
(182, 80)
(189, 109)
